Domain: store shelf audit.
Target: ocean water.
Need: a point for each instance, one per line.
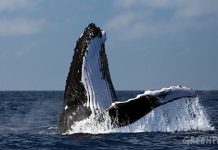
(28, 120)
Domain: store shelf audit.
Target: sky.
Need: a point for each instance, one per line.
(150, 44)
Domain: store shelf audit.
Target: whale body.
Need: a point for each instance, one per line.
(89, 90)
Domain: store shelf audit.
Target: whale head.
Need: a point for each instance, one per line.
(89, 89)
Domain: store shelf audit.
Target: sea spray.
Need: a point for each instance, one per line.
(91, 125)
(182, 115)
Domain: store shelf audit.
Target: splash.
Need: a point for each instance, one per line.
(182, 115)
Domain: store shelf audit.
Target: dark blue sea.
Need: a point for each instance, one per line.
(28, 120)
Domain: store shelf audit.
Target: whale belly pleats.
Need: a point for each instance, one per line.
(98, 91)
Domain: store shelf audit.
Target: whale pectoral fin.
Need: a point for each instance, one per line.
(172, 93)
(127, 112)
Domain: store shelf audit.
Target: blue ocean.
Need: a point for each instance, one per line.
(29, 119)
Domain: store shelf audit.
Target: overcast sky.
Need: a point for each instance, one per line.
(150, 43)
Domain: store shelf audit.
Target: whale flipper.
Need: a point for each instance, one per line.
(89, 89)
(127, 112)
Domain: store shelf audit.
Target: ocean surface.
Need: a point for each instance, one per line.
(28, 120)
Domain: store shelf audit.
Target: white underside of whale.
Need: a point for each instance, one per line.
(98, 93)
(166, 95)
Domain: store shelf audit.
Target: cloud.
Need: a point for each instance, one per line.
(121, 20)
(129, 25)
(15, 22)
(138, 18)
(15, 5)
(185, 8)
(20, 26)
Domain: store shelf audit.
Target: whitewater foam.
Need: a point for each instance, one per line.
(182, 115)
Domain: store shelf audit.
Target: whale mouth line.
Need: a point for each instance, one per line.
(89, 90)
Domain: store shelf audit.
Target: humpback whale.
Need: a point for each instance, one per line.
(89, 90)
